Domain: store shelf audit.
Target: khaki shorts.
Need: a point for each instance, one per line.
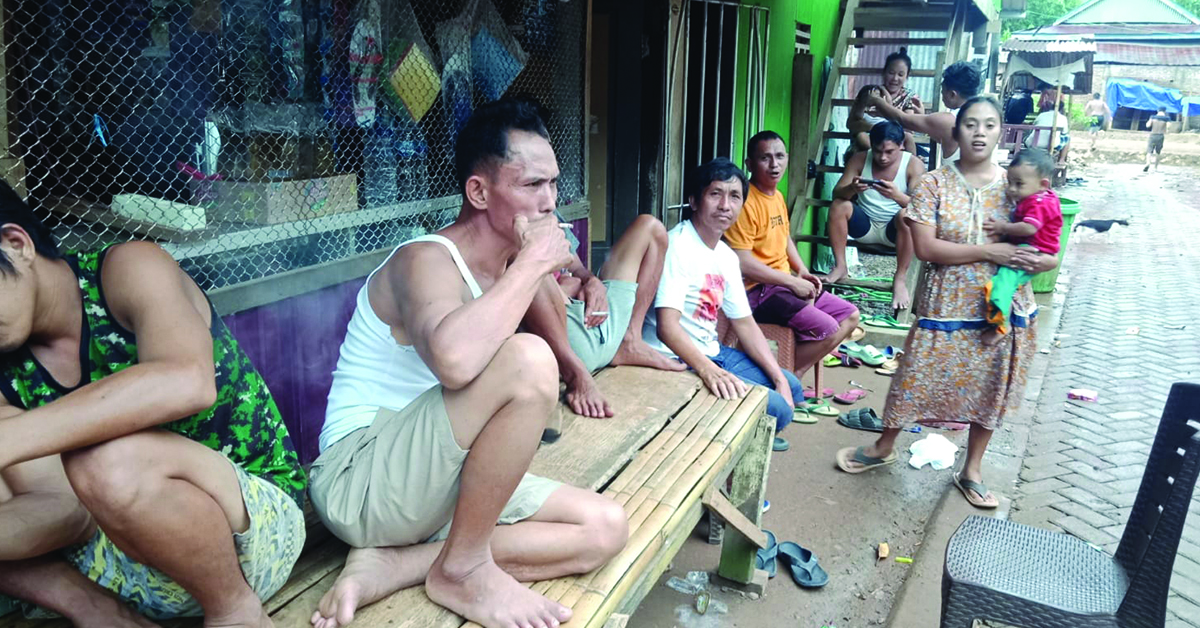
(597, 345)
(1155, 145)
(266, 551)
(396, 482)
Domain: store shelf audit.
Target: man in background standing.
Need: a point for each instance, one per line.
(1158, 132)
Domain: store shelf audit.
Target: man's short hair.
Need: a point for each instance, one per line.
(1162, 109)
(759, 138)
(887, 131)
(1096, 95)
(483, 141)
(15, 211)
(1038, 158)
(719, 169)
(963, 78)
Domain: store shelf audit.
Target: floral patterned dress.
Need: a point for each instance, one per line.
(947, 373)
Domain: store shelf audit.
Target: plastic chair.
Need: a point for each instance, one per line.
(1024, 576)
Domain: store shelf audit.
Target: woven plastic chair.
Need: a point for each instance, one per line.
(1023, 576)
(785, 344)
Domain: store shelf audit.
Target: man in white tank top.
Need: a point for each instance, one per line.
(396, 463)
(867, 203)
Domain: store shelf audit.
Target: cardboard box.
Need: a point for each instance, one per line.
(273, 202)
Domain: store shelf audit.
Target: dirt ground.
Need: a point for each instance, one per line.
(1128, 147)
(840, 517)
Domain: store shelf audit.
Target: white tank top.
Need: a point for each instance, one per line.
(373, 370)
(878, 207)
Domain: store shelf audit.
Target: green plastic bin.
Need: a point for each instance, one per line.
(1044, 282)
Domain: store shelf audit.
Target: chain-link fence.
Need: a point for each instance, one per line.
(252, 137)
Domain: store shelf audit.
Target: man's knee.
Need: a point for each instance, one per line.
(607, 528)
(110, 474)
(527, 359)
(841, 209)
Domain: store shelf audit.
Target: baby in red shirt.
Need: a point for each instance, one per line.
(1037, 223)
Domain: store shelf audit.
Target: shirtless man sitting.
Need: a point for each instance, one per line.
(438, 405)
(146, 469)
(591, 322)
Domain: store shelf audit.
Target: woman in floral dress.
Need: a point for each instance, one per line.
(947, 372)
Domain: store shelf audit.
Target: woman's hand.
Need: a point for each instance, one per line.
(1001, 253)
(1033, 261)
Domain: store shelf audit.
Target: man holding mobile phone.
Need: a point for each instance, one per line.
(867, 202)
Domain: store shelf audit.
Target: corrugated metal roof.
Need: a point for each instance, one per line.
(1119, 31)
(1136, 54)
(1142, 11)
(1057, 44)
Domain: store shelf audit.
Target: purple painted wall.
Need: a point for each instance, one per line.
(294, 344)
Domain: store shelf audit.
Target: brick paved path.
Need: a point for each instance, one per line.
(1085, 460)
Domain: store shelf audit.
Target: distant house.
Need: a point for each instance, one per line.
(1153, 41)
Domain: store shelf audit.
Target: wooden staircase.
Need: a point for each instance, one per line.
(895, 23)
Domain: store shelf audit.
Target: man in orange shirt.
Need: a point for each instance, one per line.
(780, 288)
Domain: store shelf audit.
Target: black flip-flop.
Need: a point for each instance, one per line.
(861, 419)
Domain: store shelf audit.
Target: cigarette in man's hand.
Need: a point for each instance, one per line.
(565, 225)
(599, 313)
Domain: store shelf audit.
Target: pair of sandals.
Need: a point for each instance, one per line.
(800, 562)
(976, 493)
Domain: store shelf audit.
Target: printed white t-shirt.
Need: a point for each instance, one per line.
(697, 280)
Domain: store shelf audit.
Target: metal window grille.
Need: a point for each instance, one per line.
(718, 73)
(252, 137)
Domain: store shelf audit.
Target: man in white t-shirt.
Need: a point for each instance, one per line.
(702, 275)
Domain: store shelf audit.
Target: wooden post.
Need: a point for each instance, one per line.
(749, 486)
(1054, 124)
(798, 146)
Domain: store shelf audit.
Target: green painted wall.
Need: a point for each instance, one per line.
(824, 16)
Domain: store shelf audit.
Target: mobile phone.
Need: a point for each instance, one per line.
(870, 181)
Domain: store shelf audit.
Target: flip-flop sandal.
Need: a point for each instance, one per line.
(819, 408)
(866, 353)
(802, 416)
(811, 393)
(850, 396)
(858, 334)
(970, 488)
(780, 444)
(803, 565)
(831, 360)
(855, 454)
(889, 367)
(765, 558)
(861, 419)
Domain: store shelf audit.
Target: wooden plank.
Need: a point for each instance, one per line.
(896, 41)
(836, 135)
(802, 74)
(832, 169)
(849, 71)
(591, 452)
(748, 488)
(720, 505)
(315, 565)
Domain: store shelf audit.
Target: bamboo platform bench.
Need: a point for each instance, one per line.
(666, 453)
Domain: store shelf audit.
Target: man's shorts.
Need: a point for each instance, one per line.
(867, 231)
(1097, 123)
(597, 345)
(267, 551)
(396, 482)
(776, 305)
(1155, 145)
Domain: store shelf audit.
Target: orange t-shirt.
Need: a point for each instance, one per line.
(763, 229)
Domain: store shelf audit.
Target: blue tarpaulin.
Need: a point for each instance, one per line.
(1142, 95)
(1193, 108)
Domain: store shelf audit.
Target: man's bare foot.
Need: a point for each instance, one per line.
(992, 336)
(370, 574)
(250, 614)
(488, 596)
(635, 352)
(900, 297)
(837, 274)
(584, 397)
(110, 613)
